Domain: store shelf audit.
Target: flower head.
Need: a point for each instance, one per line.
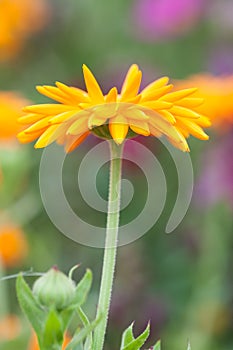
(154, 111)
(13, 245)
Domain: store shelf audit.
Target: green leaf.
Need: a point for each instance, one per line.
(83, 317)
(53, 333)
(127, 336)
(82, 290)
(30, 306)
(157, 346)
(81, 335)
(139, 341)
(66, 316)
(189, 346)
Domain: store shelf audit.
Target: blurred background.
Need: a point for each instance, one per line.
(182, 282)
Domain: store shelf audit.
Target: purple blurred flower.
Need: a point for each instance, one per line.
(216, 182)
(160, 19)
(221, 60)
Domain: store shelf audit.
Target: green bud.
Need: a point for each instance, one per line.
(54, 289)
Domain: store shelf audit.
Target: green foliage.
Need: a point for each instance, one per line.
(157, 346)
(29, 305)
(82, 334)
(130, 343)
(50, 323)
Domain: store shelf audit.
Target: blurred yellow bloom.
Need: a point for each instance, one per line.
(218, 97)
(154, 111)
(33, 344)
(10, 327)
(11, 105)
(18, 20)
(13, 245)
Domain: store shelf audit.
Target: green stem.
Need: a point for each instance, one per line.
(110, 244)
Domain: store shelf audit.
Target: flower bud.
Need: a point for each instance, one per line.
(54, 289)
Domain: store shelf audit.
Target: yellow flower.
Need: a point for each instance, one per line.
(154, 111)
(18, 20)
(11, 105)
(218, 97)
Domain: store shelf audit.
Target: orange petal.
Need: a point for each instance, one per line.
(73, 142)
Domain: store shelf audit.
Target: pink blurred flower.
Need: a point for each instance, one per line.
(161, 19)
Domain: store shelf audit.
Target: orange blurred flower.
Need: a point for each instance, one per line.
(19, 19)
(13, 245)
(217, 93)
(11, 105)
(33, 344)
(10, 327)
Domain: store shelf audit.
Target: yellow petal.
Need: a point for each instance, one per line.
(178, 95)
(135, 99)
(118, 128)
(168, 116)
(112, 95)
(193, 129)
(47, 137)
(135, 113)
(48, 109)
(78, 95)
(30, 118)
(163, 126)
(204, 122)
(66, 116)
(155, 85)
(53, 95)
(106, 110)
(190, 102)
(41, 124)
(26, 138)
(95, 120)
(140, 127)
(181, 143)
(93, 88)
(131, 83)
(156, 93)
(78, 127)
(157, 105)
(184, 112)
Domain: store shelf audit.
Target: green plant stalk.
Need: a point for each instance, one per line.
(110, 243)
